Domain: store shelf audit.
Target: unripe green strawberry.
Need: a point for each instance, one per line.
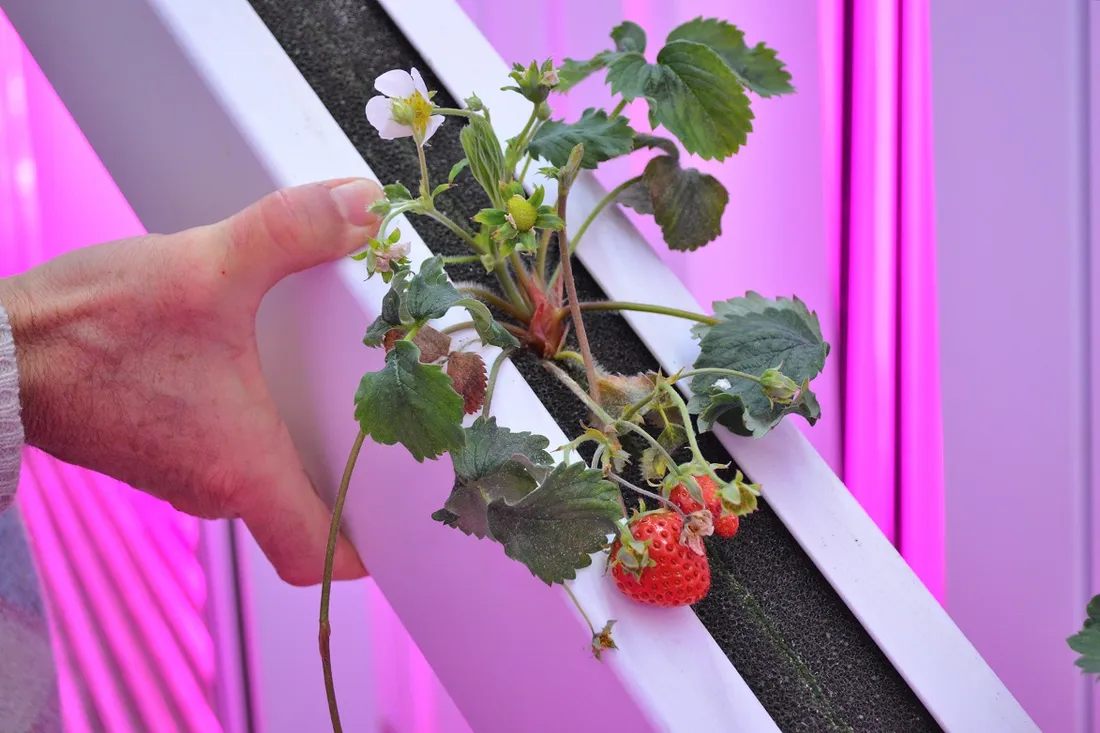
(523, 213)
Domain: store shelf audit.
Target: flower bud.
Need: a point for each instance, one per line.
(543, 112)
(778, 387)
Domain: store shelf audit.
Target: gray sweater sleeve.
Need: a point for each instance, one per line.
(11, 426)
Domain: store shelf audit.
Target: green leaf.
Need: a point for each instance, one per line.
(430, 293)
(490, 217)
(396, 192)
(554, 529)
(456, 169)
(488, 329)
(756, 334)
(758, 66)
(1086, 642)
(410, 403)
(692, 92)
(573, 72)
(486, 156)
(486, 469)
(628, 36)
(377, 331)
(603, 138)
(395, 310)
(551, 221)
(687, 204)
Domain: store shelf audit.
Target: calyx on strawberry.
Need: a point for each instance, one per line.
(726, 523)
(651, 565)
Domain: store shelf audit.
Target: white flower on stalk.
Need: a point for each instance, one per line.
(723, 384)
(406, 108)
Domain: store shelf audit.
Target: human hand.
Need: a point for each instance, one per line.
(138, 359)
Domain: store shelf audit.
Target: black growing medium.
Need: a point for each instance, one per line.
(799, 648)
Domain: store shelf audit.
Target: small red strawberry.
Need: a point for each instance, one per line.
(651, 565)
(724, 526)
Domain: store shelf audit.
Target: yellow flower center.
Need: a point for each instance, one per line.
(421, 110)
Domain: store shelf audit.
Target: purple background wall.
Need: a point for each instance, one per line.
(1012, 157)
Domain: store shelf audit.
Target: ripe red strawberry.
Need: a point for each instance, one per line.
(724, 526)
(654, 567)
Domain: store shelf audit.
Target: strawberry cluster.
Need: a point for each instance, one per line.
(660, 558)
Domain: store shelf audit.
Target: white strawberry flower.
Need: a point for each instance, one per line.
(405, 110)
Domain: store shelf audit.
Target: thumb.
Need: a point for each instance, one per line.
(294, 229)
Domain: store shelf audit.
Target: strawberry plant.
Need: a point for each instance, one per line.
(554, 511)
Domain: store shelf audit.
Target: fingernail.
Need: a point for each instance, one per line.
(354, 197)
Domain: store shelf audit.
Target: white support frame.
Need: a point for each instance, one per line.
(207, 76)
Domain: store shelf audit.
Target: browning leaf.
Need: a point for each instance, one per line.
(467, 371)
(433, 345)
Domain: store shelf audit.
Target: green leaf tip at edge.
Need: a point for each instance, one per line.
(551, 520)
(754, 335)
(1086, 642)
(603, 138)
(758, 67)
(410, 403)
(555, 529)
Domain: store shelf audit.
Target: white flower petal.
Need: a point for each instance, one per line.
(396, 83)
(418, 82)
(433, 124)
(380, 114)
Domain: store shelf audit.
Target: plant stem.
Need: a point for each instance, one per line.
(521, 275)
(461, 259)
(579, 608)
(623, 482)
(491, 386)
(394, 213)
(456, 327)
(574, 301)
(618, 108)
(570, 355)
(637, 406)
(596, 455)
(454, 112)
(526, 165)
(511, 159)
(509, 285)
(649, 439)
(715, 370)
(326, 581)
(425, 189)
(446, 221)
(493, 299)
(575, 388)
(618, 305)
(544, 248)
(685, 416)
(611, 196)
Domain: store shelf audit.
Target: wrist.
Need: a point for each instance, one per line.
(11, 426)
(19, 306)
